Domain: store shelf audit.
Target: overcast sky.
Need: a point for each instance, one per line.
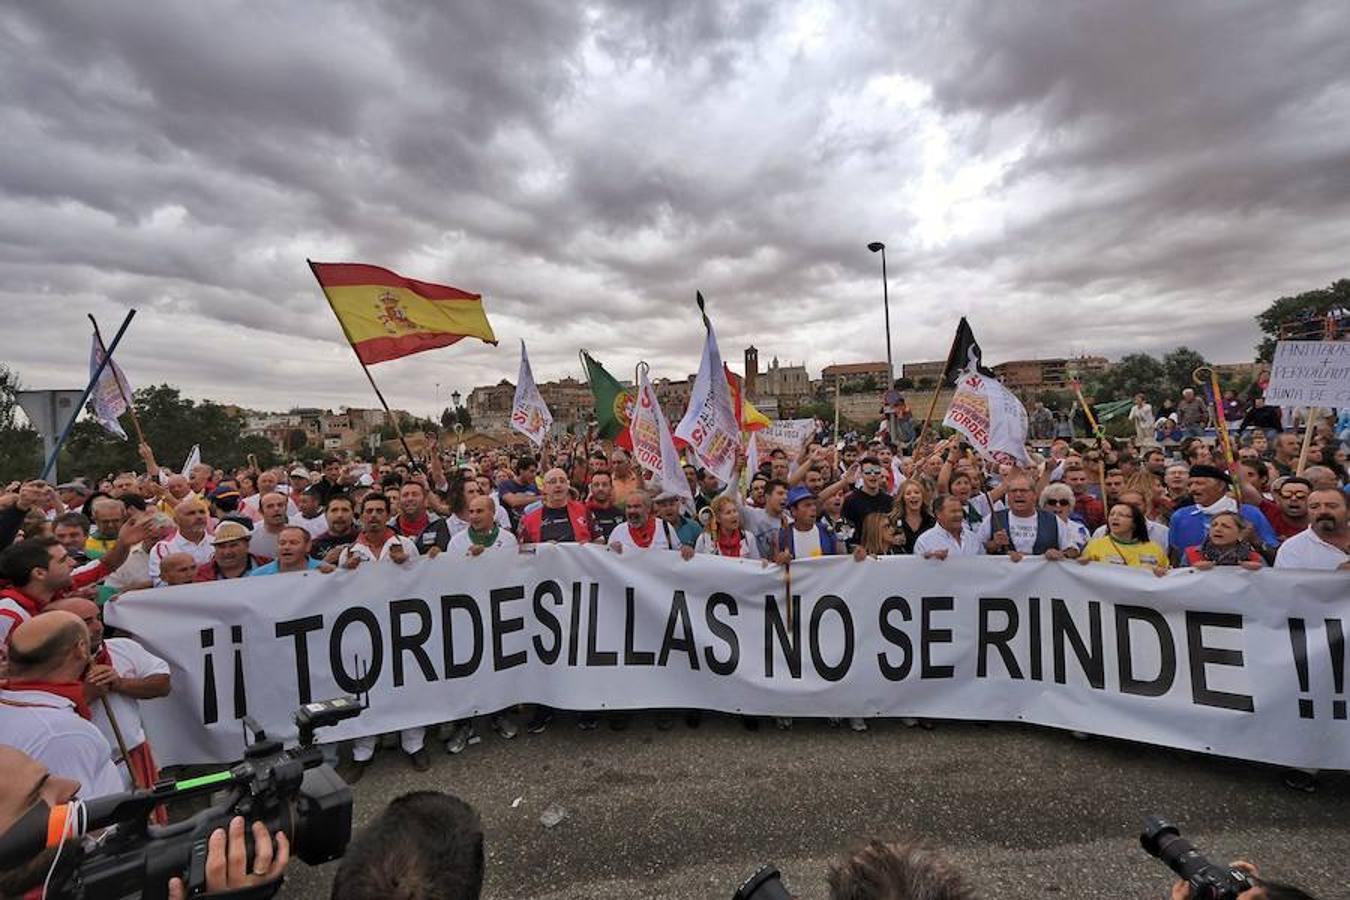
(1074, 177)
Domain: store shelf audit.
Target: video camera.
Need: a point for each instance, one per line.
(765, 884)
(1207, 881)
(292, 791)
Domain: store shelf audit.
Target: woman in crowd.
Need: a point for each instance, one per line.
(1126, 542)
(1058, 499)
(880, 537)
(248, 485)
(723, 534)
(1228, 543)
(911, 515)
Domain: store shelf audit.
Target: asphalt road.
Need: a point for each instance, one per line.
(1025, 812)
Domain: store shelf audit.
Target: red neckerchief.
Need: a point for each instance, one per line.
(71, 690)
(729, 544)
(417, 526)
(643, 536)
(31, 605)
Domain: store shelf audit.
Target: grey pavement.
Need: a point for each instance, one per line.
(1025, 812)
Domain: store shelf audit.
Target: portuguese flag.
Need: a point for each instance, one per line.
(613, 402)
(386, 316)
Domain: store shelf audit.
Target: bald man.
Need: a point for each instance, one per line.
(558, 519)
(123, 673)
(190, 516)
(43, 712)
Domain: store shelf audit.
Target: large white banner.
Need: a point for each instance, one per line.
(1310, 373)
(1236, 663)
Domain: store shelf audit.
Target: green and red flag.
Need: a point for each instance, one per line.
(613, 402)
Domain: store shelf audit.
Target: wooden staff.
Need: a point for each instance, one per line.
(1307, 440)
(121, 742)
(1096, 432)
(1206, 376)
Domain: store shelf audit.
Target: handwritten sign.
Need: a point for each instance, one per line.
(1310, 373)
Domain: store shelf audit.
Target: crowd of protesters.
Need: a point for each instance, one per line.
(68, 549)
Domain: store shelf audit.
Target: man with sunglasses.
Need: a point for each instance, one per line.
(1287, 511)
(1023, 530)
(870, 497)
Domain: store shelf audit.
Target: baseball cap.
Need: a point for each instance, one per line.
(667, 495)
(224, 492)
(229, 531)
(799, 493)
(299, 472)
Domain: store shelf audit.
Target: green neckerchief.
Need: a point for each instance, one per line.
(486, 540)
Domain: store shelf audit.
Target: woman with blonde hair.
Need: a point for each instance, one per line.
(910, 515)
(879, 537)
(722, 532)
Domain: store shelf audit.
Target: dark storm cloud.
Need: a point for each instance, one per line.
(1091, 177)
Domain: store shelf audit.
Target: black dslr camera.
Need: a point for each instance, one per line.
(1208, 881)
(288, 790)
(765, 884)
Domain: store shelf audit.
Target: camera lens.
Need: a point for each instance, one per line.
(765, 884)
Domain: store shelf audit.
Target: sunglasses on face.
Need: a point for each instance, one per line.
(1058, 503)
(871, 471)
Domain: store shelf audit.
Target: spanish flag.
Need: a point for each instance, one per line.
(386, 316)
(747, 416)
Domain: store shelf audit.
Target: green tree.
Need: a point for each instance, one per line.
(1179, 367)
(462, 417)
(1302, 316)
(296, 438)
(447, 418)
(1134, 373)
(20, 446)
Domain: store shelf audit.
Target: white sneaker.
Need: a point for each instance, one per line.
(857, 724)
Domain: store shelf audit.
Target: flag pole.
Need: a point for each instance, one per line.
(1096, 432)
(121, 388)
(88, 389)
(398, 429)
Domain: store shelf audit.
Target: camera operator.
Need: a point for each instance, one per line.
(424, 845)
(28, 783)
(1260, 890)
(896, 871)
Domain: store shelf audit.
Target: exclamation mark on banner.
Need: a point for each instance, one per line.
(240, 698)
(1298, 642)
(210, 706)
(1336, 644)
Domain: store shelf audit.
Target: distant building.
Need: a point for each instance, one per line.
(853, 375)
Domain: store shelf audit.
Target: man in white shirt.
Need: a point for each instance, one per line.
(192, 538)
(123, 673)
(311, 516)
(42, 706)
(483, 533)
(1022, 530)
(949, 537)
(378, 543)
(641, 531)
(1326, 541)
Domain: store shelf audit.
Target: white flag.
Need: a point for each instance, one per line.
(194, 458)
(529, 415)
(653, 445)
(990, 416)
(108, 399)
(709, 425)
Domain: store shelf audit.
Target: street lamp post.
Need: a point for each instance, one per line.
(879, 247)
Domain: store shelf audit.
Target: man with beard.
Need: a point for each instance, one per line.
(340, 514)
(1325, 543)
(605, 514)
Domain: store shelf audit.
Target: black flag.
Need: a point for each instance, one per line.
(965, 353)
